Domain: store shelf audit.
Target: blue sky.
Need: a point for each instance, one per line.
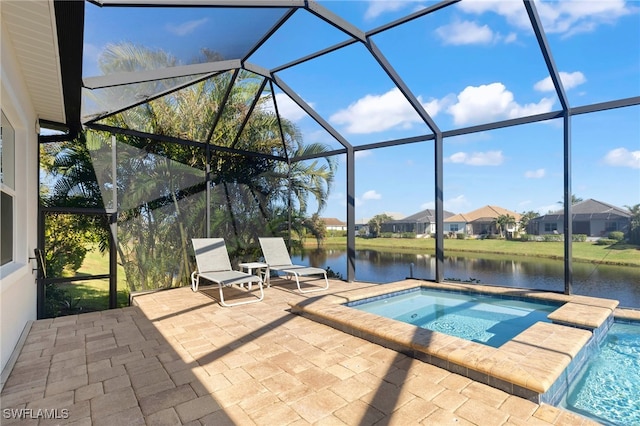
(471, 63)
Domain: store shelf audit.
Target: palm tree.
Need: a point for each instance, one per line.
(70, 181)
(248, 191)
(634, 228)
(525, 218)
(574, 200)
(503, 222)
(317, 227)
(375, 224)
(303, 178)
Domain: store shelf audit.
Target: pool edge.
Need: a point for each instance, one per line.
(527, 366)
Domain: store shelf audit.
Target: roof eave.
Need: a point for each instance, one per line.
(70, 31)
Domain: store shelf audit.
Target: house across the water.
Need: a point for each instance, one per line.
(589, 217)
(421, 223)
(334, 224)
(481, 222)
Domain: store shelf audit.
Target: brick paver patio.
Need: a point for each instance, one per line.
(177, 357)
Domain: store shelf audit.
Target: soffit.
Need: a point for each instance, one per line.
(32, 30)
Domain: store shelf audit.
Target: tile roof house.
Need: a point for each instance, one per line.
(334, 224)
(589, 217)
(480, 221)
(423, 222)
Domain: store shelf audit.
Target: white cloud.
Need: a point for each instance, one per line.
(469, 32)
(378, 7)
(622, 157)
(574, 17)
(490, 102)
(368, 195)
(371, 195)
(473, 105)
(377, 113)
(513, 11)
(186, 27)
(510, 38)
(465, 32)
(489, 158)
(569, 81)
(567, 17)
(289, 109)
(535, 174)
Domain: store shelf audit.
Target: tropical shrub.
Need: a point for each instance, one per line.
(333, 274)
(605, 242)
(616, 235)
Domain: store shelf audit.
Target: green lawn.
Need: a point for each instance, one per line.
(94, 294)
(619, 254)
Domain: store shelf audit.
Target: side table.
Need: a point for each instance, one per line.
(262, 270)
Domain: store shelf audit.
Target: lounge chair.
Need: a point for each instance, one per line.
(277, 257)
(213, 264)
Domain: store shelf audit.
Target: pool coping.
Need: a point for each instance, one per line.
(526, 366)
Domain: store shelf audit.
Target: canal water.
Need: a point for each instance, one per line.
(608, 281)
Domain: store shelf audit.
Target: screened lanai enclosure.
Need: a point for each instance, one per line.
(241, 119)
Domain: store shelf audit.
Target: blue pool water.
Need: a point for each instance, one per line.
(487, 319)
(608, 389)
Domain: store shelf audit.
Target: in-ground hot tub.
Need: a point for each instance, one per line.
(532, 365)
(492, 320)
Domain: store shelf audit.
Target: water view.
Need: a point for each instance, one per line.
(608, 281)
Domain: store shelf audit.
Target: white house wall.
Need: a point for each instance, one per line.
(17, 281)
(461, 227)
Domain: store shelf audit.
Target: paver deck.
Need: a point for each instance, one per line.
(177, 357)
(528, 365)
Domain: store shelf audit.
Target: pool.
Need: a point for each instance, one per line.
(537, 363)
(477, 317)
(608, 387)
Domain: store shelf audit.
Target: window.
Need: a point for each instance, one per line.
(550, 227)
(610, 226)
(453, 227)
(7, 190)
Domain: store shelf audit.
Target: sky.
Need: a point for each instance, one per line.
(472, 63)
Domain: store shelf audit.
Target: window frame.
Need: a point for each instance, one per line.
(611, 226)
(7, 186)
